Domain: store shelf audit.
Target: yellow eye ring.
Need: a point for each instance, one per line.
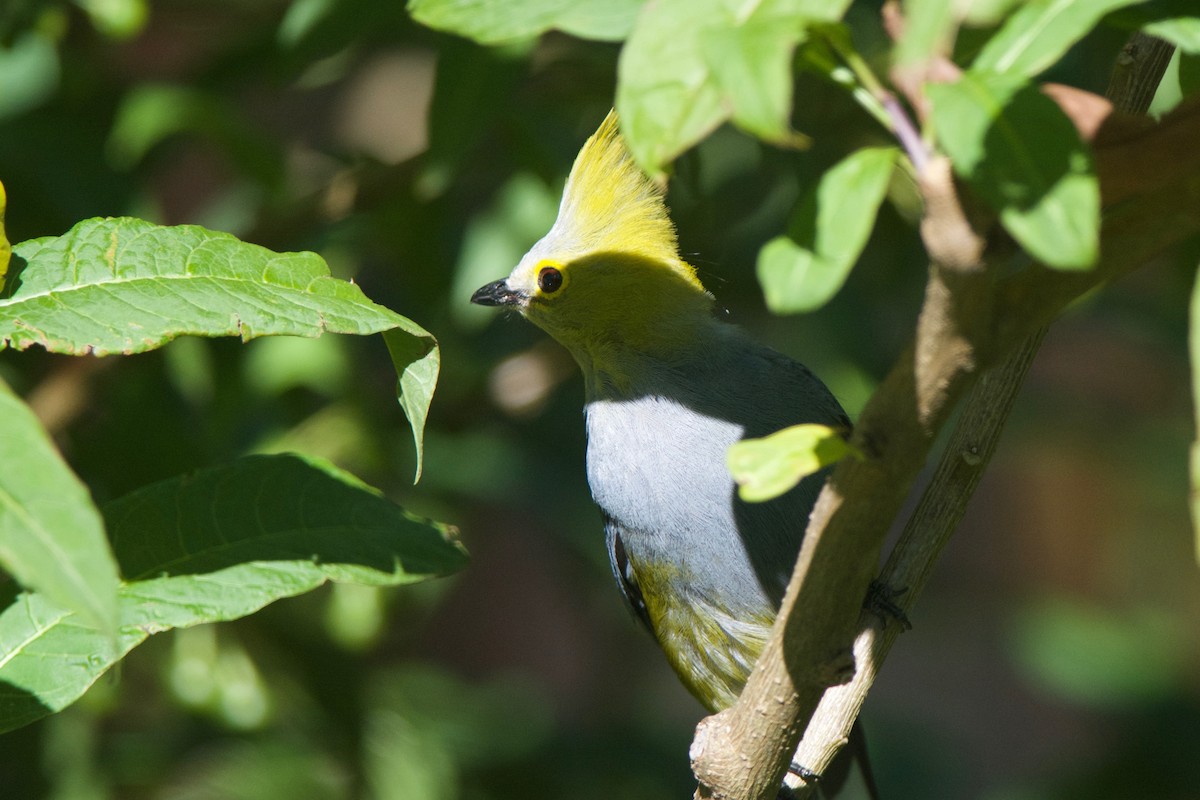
(549, 279)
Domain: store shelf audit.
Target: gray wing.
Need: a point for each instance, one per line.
(773, 392)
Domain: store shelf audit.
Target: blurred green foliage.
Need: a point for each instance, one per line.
(421, 165)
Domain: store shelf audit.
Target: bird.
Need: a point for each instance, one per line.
(669, 386)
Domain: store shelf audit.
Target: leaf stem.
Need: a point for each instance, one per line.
(877, 99)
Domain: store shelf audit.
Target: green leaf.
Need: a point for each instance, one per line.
(417, 362)
(501, 21)
(929, 27)
(766, 468)
(51, 536)
(1023, 156)
(1039, 33)
(986, 13)
(671, 91)
(216, 545)
(803, 271)
(1183, 32)
(117, 19)
(5, 245)
(127, 286)
(752, 66)
(124, 285)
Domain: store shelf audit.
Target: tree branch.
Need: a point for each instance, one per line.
(744, 751)
(945, 499)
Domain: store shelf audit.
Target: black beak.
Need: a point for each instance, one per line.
(496, 293)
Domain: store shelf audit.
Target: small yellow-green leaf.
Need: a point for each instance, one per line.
(766, 468)
(5, 245)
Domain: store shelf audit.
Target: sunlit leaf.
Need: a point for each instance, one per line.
(1183, 32)
(766, 468)
(1175, 21)
(51, 536)
(127, 286)
(752, 66)
(417, 361)
(801, 272)
(216, 545)
(668, 93)
(1040, 32)
(500, 21)
(118, 19)
(929, 26)
(1023, 156)
(5, 245)
(985, 13)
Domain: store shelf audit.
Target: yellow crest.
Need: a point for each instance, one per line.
(609, 205)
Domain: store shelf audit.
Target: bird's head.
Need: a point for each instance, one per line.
(607, 280)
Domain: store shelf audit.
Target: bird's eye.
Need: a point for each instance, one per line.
(550, 279)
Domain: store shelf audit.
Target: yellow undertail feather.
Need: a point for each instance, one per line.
(711, 650)
(609, 205)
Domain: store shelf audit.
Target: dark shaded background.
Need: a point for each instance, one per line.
(1055, 654)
